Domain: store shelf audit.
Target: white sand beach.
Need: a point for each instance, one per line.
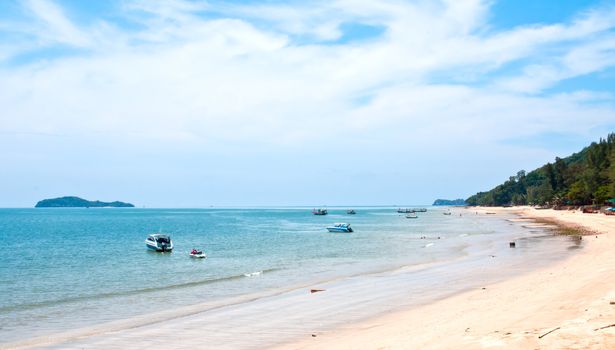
(569, 305)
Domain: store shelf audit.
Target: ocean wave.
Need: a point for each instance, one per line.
(109, 295)
(252, 274)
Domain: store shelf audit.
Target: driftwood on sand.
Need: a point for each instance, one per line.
(553, 330)
(607, 326)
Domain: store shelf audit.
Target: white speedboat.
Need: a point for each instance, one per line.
(159, 242)
(340, 227)
(412, 216)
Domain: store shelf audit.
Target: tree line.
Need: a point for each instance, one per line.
(586, 177)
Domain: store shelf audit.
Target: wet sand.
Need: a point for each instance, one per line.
(568, 305)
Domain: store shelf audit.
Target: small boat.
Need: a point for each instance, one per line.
(319, 212)
(412, 216)
(159, 242)
(405, 210)
(340, 227)
(447, 213)
(197, 254)
(420, 210)
(350, 212)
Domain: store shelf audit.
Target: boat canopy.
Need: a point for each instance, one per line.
(158, 237)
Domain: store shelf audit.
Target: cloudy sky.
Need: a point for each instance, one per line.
(349, 102)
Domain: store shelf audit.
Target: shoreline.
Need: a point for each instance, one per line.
(569, 304)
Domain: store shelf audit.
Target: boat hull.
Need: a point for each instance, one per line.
(335, 229)
(159, 249)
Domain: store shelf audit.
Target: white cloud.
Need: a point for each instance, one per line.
(197, 81)
(225, 76)
(586, 58)
(55, 27)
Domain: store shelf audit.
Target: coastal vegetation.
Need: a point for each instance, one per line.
(76, 202)
(459, 201)
(584, 178)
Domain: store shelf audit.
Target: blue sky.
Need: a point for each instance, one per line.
(236, 103)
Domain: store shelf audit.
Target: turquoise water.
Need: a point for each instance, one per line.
(68, 268)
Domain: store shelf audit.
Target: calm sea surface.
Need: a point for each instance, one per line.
(67, 268)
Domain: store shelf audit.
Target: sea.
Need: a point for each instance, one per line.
(67, 268)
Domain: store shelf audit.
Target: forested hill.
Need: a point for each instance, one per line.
(586, 177)
(76, 202)
(459, 201)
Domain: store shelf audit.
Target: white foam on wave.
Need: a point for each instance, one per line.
(252, 274)
(428, 245)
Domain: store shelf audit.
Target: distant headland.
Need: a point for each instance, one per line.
(76, 202)
(459, 201)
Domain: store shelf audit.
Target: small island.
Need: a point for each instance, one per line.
(76, 202)
(458, 202)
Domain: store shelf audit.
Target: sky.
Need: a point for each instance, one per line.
(276, 103)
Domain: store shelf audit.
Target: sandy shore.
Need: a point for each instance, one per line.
(568, 305)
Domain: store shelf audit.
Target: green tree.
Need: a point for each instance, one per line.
(559, 173)
(578, 194)
(584, 177)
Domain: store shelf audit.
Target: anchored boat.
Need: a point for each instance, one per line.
(340, 227)
(159, 242)
(319, 212)
(409, 210)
